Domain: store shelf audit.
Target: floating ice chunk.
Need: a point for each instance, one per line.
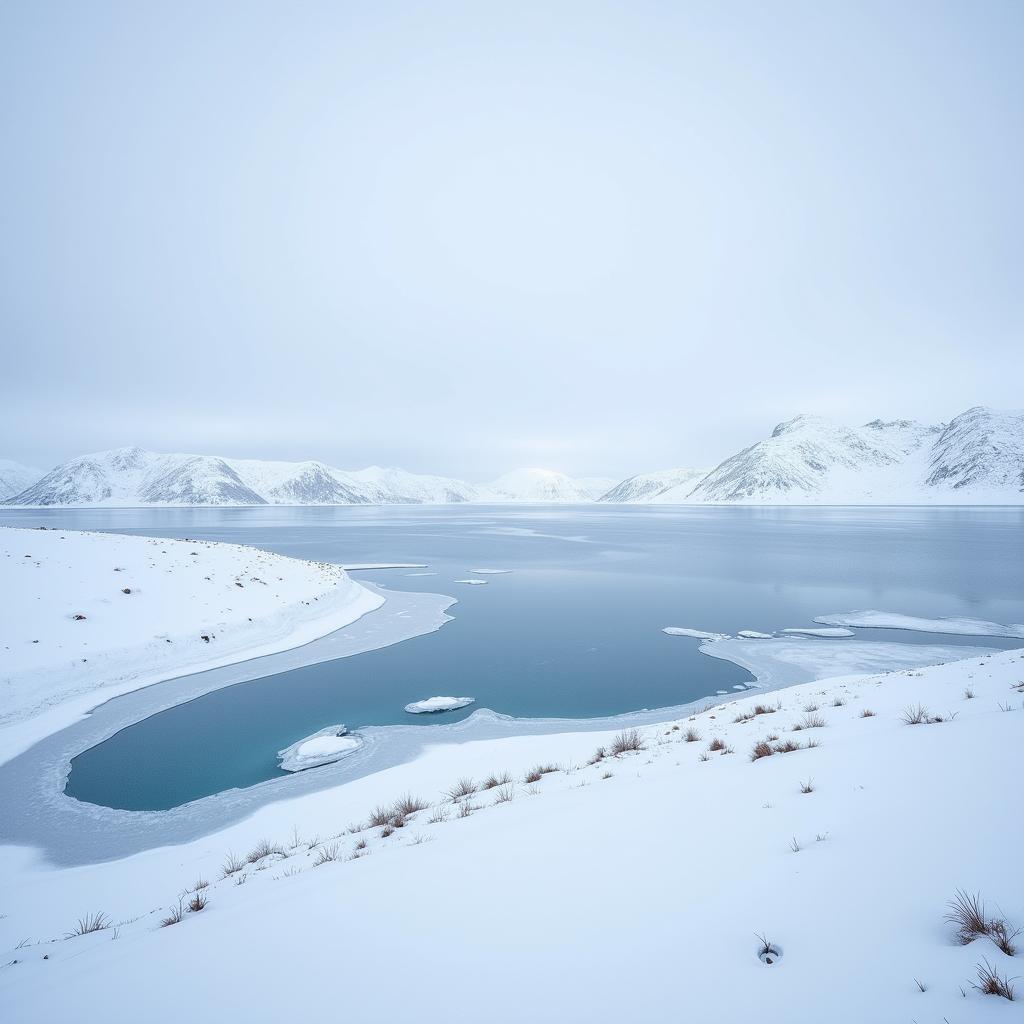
(322, 747)
(490, 572)
(893, 620)
(739, 686)
(699, 634)
(752, 634)
(472, 583)
(722, 692)
(827, 631)
(434, 704)
(421, 574)
(352, 566)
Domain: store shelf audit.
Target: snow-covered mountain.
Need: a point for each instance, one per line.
(543, 485)
(15, 477)
(666, 485)
(133, 476)
(979, 457)
(981, 449)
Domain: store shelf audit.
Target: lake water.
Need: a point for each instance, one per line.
(573, 631)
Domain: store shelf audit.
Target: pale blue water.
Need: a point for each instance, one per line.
(573, 631)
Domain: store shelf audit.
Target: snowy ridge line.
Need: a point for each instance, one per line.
(958, 626)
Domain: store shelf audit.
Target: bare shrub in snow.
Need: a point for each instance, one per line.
(839, 702)
(608, 775)
(968, 693)
(387, 830)
(506, 793)
(201, 883)
(439, 814)
(599, 755)
(691, 736)
(197, 902)
(627, 740)
(807, 787)
(761, 749)
(867, 713)
(716, 744)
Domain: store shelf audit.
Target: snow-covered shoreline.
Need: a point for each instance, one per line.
(89, 616)
(869, 853)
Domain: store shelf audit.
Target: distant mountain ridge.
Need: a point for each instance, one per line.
(978, 457)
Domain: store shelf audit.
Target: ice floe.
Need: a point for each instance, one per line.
(753, 634)
(490, 572)
(698, 634)
(323, 747)
(893, 620)
(837, 631)
(472, 583)
(435, 704)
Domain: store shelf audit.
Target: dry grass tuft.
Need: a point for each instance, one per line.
(464, 787)
(918, 714)
(90, 923)
(494, 781)
(967, 915)
(506, 793)
(379, 816)
(761, 749)
(406, 805)
(626, 741)
(197, 902)
(328, 853)
(691, 736)
(807, 787)
(867, 713)
(716, 744)
(991, 983)
(174, 917)
(232, 865)
(265, 848)
(599, 755)
(809, 721)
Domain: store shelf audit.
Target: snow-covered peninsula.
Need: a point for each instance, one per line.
(90, 615)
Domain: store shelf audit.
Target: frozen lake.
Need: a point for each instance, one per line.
(573, 630)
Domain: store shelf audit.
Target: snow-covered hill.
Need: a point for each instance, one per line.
(646, 487)
(15, 477)
(978, 457)
(543, 485)
(133, 476)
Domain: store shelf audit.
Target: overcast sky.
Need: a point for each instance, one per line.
(460, 238)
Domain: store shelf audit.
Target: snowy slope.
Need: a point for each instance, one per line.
(981, 449)
(645, 487)
(15, 477)
(146, 606)
(537, 485)
(633, 888)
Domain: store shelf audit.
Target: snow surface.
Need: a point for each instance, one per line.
(618, 879)
(147, 605)
(700, 634)
(953, 625)
(323, 747)
(435, 704)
